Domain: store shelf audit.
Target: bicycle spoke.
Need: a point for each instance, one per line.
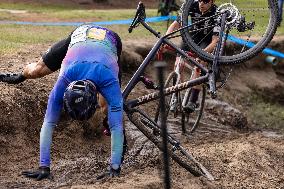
(152, 131)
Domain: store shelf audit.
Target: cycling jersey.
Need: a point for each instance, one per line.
(54, 56)
(91, 55)
(208, 28)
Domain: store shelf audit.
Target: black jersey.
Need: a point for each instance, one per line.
(202, 32)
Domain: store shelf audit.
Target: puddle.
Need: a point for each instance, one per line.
(13, 11)
(272, 134)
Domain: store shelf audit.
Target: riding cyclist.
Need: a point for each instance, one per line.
(89, 59)
(205, 34)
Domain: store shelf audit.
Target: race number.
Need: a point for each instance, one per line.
(79, 35)
(96, 33)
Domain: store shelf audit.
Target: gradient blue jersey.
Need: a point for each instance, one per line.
(92, 55)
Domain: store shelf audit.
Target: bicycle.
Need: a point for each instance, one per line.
(176, 103)
(143, 121)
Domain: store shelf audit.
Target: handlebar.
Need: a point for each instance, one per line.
(139, 16)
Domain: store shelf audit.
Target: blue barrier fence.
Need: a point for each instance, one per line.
(267, 51)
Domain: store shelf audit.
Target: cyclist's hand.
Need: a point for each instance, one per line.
(41, 173)
(110, 173)
(165, 47)
(12, 78)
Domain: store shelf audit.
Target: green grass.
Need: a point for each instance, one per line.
(13, 37)
(269, 115)
(36, 7)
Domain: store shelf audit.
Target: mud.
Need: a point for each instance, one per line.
(238, 157)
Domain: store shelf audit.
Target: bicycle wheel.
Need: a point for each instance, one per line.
(172, 102)
(153, 132)
(190, 121)
(251, 26)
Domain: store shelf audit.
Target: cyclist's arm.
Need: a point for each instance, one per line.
(52, 115)
(212, 45)
(174, 26)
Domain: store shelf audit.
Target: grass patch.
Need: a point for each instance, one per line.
(73, 14)
(36, 7)
(13, 37)
(267, 115)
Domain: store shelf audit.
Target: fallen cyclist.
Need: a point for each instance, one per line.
(88, 58)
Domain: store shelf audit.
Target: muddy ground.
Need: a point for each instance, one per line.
(246, 157)
(229, 143)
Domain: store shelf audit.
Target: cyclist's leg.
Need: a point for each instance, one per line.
(195, 90)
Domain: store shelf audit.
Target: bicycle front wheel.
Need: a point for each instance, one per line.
(153, 132)
(249, 27)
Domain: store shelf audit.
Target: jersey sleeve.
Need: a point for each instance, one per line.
(54, 56)
(55, 101)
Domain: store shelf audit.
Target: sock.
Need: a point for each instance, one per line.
(194, 95)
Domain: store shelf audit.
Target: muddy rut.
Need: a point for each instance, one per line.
(238, 157)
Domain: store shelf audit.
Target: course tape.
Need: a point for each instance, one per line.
(129, 21)
(115, 22)
(251, 44)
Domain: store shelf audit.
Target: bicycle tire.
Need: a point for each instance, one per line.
(171, 78)
(242, 56)
(152, 132)
(199, 113)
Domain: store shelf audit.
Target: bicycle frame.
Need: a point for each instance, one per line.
(129, 105)
(208, 75)
(153, 96)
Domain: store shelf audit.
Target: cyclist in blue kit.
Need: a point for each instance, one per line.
(89, 65)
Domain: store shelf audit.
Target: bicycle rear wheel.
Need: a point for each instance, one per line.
(190, 121)
(153, 132)
(251, 27)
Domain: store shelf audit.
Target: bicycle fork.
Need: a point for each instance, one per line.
(214, 68)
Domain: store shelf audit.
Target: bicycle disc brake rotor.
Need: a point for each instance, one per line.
(233, 16)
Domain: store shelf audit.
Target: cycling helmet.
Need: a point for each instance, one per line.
(80, 99)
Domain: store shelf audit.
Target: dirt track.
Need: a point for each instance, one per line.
(248, 158)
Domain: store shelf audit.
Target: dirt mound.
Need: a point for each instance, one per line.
(237, 158)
